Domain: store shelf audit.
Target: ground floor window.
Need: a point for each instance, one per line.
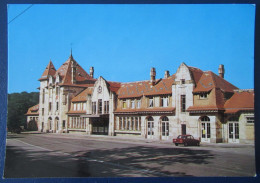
(205, 129)
(165, 126)
(129, 123)
(77, 122)
(233, 129)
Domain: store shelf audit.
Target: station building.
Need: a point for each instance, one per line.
(191, 101)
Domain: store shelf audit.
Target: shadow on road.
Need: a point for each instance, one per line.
(136, 161)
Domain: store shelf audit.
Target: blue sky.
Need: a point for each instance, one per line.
(123, 42)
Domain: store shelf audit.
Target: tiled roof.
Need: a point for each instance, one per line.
(82, 97)
(114, 86)
(196, 73)
(209, 80)
(134, 89)
(141, 110)
(163, 86)
(76, 112)
(241, 100)
(203, 108)
(49, 71)
(65, 72)
(34, 110)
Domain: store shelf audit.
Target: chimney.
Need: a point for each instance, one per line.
(91, 72)
(73, 71)
(166, 74)
(221, 70)
(153, 74)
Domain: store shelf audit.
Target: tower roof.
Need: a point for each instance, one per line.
(49, 71)
(65, 73)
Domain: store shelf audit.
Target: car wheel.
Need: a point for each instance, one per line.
(185, 144)
(176, 144)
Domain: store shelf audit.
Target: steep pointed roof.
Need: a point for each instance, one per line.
(49, 71)
(65, 73)
(209, 80)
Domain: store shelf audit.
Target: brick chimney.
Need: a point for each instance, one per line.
(166, 74)
(221, 70)
(91, 72)
(153, 74)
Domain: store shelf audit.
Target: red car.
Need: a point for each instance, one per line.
(186, 140)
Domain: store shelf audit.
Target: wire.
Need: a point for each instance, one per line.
(20, 13)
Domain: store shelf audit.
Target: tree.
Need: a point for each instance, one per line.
(18, 104)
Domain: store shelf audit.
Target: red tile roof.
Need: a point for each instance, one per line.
(163, 86)
(82, 97)
(134, 89)
(33, 111)
(76, 112)
(241, 100)
(65, 73)
(209, 80)
(49, 71)
(114, 86)
(147, 110)
(196, 73)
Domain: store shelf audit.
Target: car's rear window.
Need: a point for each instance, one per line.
(181, 137)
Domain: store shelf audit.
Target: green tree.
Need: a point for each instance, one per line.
(18, 104)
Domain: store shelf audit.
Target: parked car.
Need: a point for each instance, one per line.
(186, 140)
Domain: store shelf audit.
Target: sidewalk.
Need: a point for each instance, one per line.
(142, 140)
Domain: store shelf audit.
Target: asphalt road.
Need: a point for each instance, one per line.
(66, 155)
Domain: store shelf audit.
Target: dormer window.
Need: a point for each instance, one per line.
(164, 101)
(151, 102)
(132, 104)
(124, 103)
(203, 95)
(182, 81)
(139, 103)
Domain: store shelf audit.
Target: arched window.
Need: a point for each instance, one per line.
(205, 118)
(150, 118)
(165, 118)
(233, 118)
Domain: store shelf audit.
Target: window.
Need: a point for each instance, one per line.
(84, 106)
(151, 102)
(203, 96)
(43, 95)
(63, 123)
(182, 81)
(124, 103)
(106, 107)
(57, 106)
(132, 104)
(49, 106)
(42, 111)
(183, 103)
(164, 101)
(99, 106)
(74, 107)
(57, 91)
(139, 103)
(250, 119)
(94, 107)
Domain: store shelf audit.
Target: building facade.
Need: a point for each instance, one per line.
(191, 101)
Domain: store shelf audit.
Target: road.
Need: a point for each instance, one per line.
(66, 155)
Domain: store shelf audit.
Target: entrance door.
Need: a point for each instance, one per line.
(165, 128)
(150, 132)
(233, 132)
(205, 132)
(100, 126)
